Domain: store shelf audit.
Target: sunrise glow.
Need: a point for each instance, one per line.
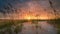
(29, 17)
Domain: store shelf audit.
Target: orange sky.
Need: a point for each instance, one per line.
(33, 10)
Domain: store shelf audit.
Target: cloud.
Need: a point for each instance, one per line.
(18, 8)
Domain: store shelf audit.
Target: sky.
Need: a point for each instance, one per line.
(19, 9)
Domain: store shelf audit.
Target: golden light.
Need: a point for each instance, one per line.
(40, 17)
(29, 17)
(43, 17)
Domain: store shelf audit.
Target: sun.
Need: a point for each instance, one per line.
(28, 17)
